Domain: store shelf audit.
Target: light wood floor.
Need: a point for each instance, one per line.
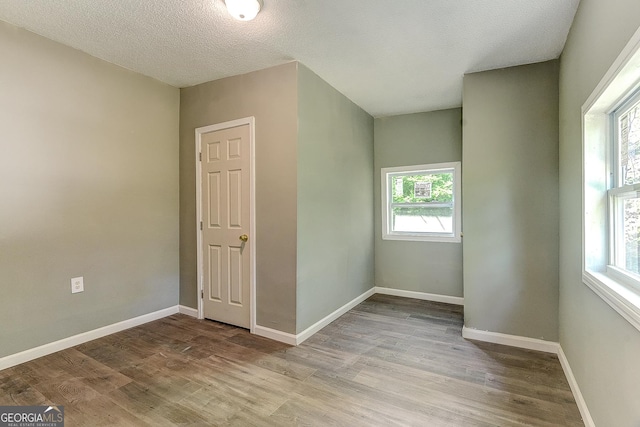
(389, 361)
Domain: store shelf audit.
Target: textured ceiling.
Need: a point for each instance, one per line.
(388, 56)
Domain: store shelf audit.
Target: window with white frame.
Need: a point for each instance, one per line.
(624, 194)
(421, 202)
(611, 185)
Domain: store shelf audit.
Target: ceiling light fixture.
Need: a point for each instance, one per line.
(243, 10)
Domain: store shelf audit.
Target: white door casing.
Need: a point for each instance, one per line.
(225, 201)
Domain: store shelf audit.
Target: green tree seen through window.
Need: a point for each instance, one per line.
(441, 188)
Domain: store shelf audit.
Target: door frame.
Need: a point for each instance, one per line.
(252, 217)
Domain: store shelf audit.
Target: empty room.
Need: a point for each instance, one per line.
(295, 212)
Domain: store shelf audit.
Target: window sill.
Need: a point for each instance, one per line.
(621, 298)
(417, 238)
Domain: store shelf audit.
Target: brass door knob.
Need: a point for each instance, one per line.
(244, 237)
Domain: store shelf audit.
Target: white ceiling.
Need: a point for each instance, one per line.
(388, 56)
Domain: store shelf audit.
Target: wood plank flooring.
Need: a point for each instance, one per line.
(388, 362)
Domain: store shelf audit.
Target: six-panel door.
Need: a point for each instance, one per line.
(226, 216)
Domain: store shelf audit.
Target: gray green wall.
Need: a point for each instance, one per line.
(88, 187)
(335, 200)
(406, 140)
(600, 345)
(510, 195)
(271, 97)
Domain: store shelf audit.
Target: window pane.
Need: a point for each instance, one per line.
(422, 220)
(631, 235)
(422, 188)
(629, 125)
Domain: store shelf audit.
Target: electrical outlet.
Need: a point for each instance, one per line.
(77, 285)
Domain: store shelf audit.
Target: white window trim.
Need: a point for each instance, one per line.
(454, 237)
(617, 288)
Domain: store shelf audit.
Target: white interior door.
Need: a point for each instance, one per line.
(226, 243)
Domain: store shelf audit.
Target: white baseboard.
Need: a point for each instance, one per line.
(183, 309)
(577, 394)
(510, 340)
(276, 335)
(539, 345)
(420, 295)
(307, 333)
(43, 350)
(297, 339)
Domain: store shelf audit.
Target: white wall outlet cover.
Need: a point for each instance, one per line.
(77, 285)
